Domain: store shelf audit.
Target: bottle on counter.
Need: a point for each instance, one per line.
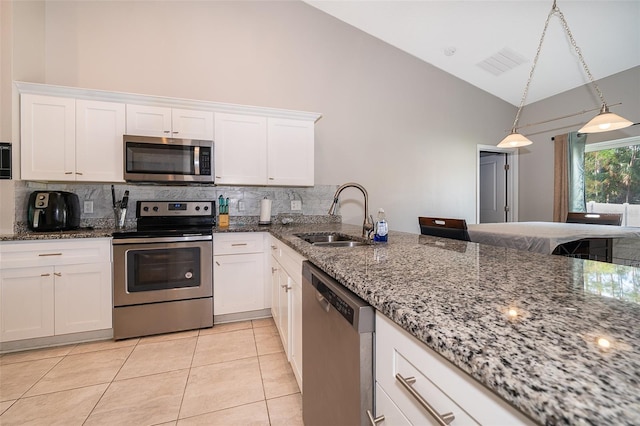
(382, 228)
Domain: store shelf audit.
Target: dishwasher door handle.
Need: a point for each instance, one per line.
(323, 302)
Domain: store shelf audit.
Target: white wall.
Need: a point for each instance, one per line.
(404, 129)
(536, 161)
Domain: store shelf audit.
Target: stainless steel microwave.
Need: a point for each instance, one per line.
(168, 160)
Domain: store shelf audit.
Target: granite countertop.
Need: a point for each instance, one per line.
(456, 297)
(525, 325)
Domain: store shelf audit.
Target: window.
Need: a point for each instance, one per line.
(612, 178)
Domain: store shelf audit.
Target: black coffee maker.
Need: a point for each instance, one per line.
(53, 211)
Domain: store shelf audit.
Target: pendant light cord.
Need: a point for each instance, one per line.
(554, 9)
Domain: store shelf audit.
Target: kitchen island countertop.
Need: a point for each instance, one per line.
(525, 325)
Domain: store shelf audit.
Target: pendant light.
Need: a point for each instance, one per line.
(602, 122)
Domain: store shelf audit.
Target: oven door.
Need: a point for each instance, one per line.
(154, 271)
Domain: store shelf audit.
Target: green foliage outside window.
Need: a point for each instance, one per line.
(613, 175)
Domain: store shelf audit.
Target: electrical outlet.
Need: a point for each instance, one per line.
(240, 205)
(88, 206)
(296, 205)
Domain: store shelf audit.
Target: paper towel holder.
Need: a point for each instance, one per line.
(265, 212)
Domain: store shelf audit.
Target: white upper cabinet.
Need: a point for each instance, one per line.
(253, 150)
(99, 147)
(74, 134)
(65, 139)
(146, 120)
(290, 152)
(240, 149)
(48, 138)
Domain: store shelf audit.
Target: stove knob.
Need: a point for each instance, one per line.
(155, 208)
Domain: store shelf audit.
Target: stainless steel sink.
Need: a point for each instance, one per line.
(323, 239)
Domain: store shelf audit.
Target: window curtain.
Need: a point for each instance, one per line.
(568, 188)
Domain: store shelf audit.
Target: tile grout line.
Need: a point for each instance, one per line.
(110, 382)
(186, 382)
(255, 342)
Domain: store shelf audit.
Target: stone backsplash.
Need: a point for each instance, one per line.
(315, 200)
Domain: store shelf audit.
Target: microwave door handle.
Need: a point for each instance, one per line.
(196, 160)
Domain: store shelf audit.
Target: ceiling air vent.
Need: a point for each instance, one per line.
(502, 61)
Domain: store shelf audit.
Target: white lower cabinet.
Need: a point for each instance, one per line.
(239, 283)
(448, 390)
(54, 288)
(286, 281)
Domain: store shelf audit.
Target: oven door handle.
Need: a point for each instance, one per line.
(153, 240)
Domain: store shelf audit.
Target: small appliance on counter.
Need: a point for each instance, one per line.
(53, 211)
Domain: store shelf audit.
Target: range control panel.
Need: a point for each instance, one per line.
(175, 208)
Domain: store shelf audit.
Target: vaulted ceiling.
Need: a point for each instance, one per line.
(492, 44)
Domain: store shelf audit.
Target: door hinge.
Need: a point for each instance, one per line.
(506, 208)
(506, 167)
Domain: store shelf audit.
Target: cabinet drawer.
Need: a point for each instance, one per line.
(19, 254)
(238, 243)
(446, 388)
(385, 407)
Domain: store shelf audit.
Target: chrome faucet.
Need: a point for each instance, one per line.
(367, 225)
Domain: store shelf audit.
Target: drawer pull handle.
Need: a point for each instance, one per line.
(374, 421)
(57, 274)
(274, 247)
(441, 419)
(217, 263)
(45, 275)
(68, 173)
(273, 270)
(79, 173)
(238, 244)
(286, 287)
(50, 254)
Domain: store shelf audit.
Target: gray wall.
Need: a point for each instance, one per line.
(404, 129)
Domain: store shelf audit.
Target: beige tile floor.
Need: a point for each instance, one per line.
(231, 374)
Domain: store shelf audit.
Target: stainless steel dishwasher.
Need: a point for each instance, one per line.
(337, 350)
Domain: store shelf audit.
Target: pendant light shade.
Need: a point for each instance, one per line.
(514, 140)
(605, 121)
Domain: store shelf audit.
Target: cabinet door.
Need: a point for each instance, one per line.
(284, 317)
(385, 407)
(82, 297)
(26, 303)
(275, 292)
(145, 120)
(296, 330)
(48, 138)
(240, 149)
(99, 146)
(238, 283)
(192, 124)
(290, 152)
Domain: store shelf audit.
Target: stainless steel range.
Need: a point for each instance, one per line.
(163, 271)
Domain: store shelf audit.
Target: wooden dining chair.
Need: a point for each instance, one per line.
(595, 218)
(444, 227)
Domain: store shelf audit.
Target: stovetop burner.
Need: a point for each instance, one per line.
(157, 219)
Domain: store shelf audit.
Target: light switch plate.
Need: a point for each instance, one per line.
(296, 205)
(88, 206)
